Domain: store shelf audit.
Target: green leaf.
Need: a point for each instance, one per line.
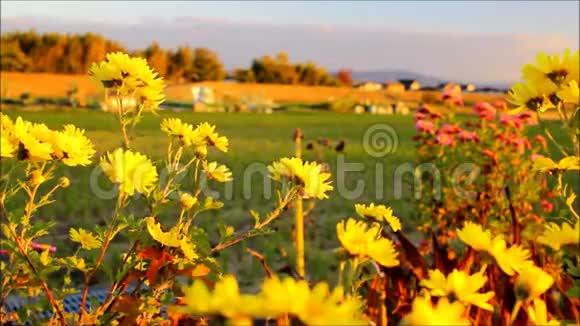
(574, 291)
(256, 217)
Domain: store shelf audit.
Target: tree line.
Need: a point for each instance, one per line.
(74, 53)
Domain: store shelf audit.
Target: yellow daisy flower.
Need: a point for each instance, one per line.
(188, 249)
(183, 131)
(379, 213)
(510, 260)
(538, 314)
(133, 172)
(553, 68)
(308, 176)
(85, 238)
(213, 138)
(364, 242)
(532, 282)
(169, 239)
(73, 147)
(535, 97)
(29, 147)
(423, 313)
(546, 164)
(187, 201)
(6, 148)
(570, 93)
(460, 285)
(220, 173)
(556, 237)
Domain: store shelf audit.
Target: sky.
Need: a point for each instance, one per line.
(483, 41)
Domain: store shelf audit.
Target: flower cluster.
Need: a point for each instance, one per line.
(278, 298)
(549, 83)
(36, 142)
(364, 242)
(130, 76)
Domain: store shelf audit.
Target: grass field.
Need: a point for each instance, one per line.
(255, 140)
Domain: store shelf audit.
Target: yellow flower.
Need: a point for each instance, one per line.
(183, 131)
(225, 299)
(538, 314)
(132, 171)
(6, 148)
(316, 306)
(379, 213)
(546, 164)
(461, 285)
(570, 93)
(213, 139)
(363, 243)
(169, 239)
(85, 238)
(552, 68)
(308, 176)
(556, 237)
(532, 282)
(510, 260)
(130, 76)
(423, 312)
(535, 97)
(187, 201)
(474, 235)
(64, 182)
(188, 249)
(29, 147)
(217, 172)
(72, 146)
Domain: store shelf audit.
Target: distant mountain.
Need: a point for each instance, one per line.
(386, 75)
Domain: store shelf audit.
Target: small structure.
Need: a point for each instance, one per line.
(410, 84)
(468, 87)
(203, 98)
(369, 87)
(394, 89)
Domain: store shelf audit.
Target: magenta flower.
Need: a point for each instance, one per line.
(485, 110)
(425, 126)
(466, 136)
(450, 129)
(446, 139)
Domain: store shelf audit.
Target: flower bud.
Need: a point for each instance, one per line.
(64, 182)
(36, 178)
(200, 151)
(187, 201)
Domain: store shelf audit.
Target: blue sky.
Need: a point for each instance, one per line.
(531, 25)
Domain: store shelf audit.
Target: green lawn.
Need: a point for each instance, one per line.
(255, 141)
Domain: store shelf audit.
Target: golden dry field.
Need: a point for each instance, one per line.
(56, 85)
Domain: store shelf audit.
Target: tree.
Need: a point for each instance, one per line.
(345, 77)
(206, 66)
(157, 58)
(181, 63)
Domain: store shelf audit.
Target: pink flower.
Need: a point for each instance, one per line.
(485, 111)
(445, 139)
(465, 136)
(541, 140)
(425, 126)
(419, 116)
(511, 121)
(500, 105)
(436, 115)
(547, 206)
(450, 129)
(424, 109)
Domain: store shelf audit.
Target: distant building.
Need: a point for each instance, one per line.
(369, 86)
(468, 87)
(410, 84)
(394, 88)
